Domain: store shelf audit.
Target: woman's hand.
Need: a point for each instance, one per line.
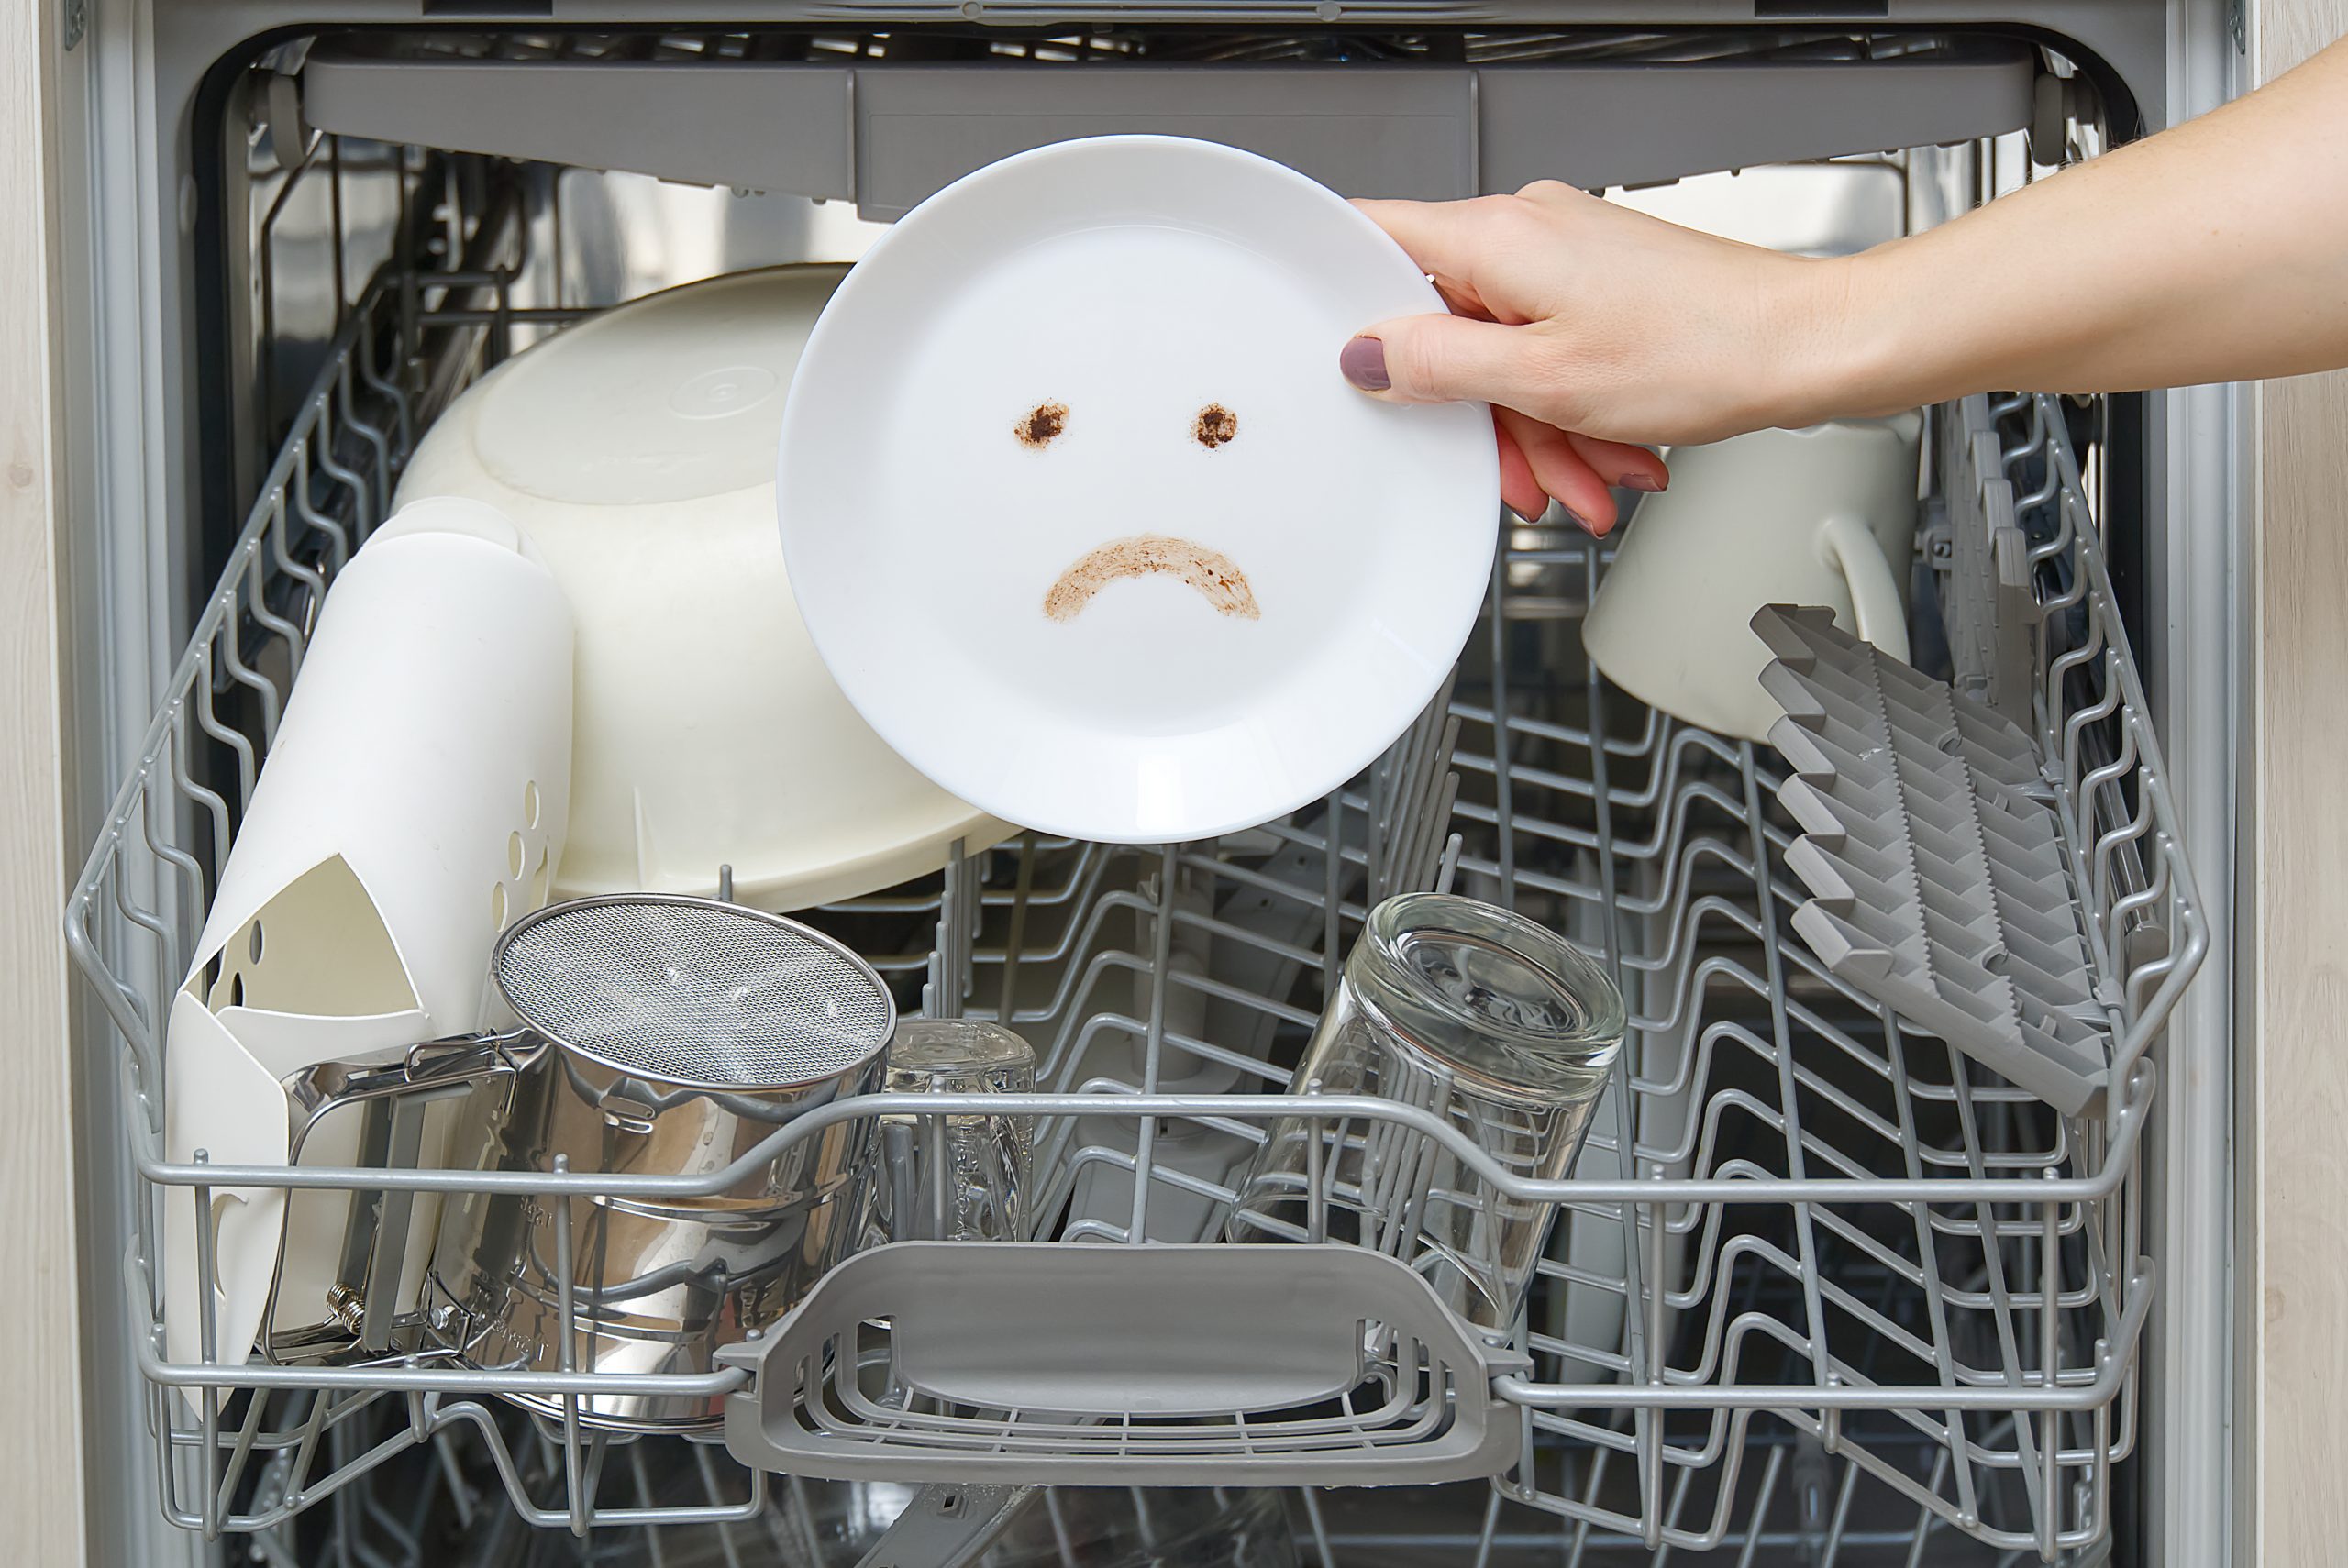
(1589, 326)
(2217, 251)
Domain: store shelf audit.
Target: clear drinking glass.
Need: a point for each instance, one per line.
(955, 1178)
(1493, 1023)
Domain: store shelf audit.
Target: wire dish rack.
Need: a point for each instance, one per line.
(1809, 1253)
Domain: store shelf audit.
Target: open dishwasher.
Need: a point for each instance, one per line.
(1823, 1290)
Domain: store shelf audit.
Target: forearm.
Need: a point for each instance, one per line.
(2216, 252)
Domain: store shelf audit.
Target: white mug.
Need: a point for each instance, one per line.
(1824, 516)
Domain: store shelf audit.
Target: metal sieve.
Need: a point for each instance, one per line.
(657, 1035)
(674, 1034)
(692, 993)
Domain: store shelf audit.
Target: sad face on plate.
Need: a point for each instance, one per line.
(1214, 574)
(1084, 520)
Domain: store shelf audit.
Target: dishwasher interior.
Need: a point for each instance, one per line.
(1936, 1358)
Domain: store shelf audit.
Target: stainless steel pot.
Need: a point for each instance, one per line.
(679, 1032)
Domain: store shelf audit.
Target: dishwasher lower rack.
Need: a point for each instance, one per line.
(1796, 1216)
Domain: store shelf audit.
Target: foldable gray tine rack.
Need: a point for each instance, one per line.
(1992, 611)
(1935, 858)
(1205, 1364)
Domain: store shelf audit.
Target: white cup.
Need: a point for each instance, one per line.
(1824, 515)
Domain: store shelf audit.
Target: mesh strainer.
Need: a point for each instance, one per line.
(694, 993)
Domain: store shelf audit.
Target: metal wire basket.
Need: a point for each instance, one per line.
(1795, 1213)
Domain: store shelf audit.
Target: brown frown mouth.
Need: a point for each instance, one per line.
(1215, 575)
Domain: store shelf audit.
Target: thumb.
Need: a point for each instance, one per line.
(1437, 358)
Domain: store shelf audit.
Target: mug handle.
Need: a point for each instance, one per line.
(1851, 546)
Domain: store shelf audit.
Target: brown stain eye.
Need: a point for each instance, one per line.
(1037, 428)
(1215, 426)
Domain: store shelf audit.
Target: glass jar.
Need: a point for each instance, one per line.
(959, 1177)
(1489, 1022)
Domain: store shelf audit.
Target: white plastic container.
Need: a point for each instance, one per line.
(414, 803)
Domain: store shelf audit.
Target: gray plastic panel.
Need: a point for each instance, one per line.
(888, 136)
(1965, 608)
(2012, 666)
(1631, 125)
(1366, 131)
(1935, 859)
(1037, 1362)
(1992, 617)
(767, 126)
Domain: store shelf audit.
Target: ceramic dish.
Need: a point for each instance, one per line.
(1084, 519)
(636, 452)
(1822, 515)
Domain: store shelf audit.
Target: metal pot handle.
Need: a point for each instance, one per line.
(396, 1089)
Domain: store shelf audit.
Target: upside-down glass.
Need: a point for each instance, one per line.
(1493, 1024)
(961, 1178)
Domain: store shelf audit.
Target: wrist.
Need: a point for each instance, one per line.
(1847, 348)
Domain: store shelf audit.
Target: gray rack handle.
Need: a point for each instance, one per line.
(1190, 1365)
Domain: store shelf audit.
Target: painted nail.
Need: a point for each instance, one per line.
(1584, 524)
(1646, 482)
(1363, 362)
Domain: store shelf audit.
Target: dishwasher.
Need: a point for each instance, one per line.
(1823, 1291)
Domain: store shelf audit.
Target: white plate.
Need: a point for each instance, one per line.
(1134, 281)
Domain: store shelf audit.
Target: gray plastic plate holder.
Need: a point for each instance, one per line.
(1202, 1365)
(1935, 858)
(1991, 613)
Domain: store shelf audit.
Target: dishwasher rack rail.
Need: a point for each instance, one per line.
(1794, 1213)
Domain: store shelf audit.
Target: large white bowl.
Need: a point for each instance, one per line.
(637, 450)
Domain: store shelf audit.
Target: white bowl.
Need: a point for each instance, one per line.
(637, 452)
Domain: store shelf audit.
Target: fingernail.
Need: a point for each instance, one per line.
(1363, 362)
(1646, 482)
(1584, 524)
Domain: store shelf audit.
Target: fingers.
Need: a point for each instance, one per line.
(1463, 301)
(1618, 462)
(1431, 233)
(1537, 461)
(1561, 470)
(1439, 359)
(1520, 492)
(1445, 239)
